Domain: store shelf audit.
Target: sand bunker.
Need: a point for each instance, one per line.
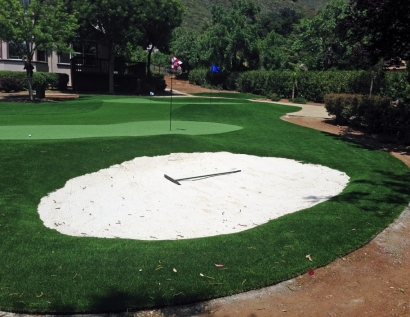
(134, 200)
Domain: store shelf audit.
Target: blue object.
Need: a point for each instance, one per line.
(215, 69)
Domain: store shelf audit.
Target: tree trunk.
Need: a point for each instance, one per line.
(111, 68)
(149, 62)
(371, 84)
(30, 86)
(29, 71)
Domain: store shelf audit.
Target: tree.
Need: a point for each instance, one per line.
(381, 26)
(37, 25)
(160, 18)
(318, 39)
(282, 22)
(271, 56)
(185, 45)
(115, 23)
(231, 41)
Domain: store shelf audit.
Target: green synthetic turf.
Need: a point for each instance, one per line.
(42, 270)
(141, 128)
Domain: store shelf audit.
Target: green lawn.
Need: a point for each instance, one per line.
(42, 270)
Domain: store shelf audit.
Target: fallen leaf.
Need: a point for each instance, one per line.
(309, 257)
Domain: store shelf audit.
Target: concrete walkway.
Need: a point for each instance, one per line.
(308, 111)
(311, 111)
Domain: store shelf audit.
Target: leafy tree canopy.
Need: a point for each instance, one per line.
(38, 25)
(231, 42)
(381, 26)
(318, 39)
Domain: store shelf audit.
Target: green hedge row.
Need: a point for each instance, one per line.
(311, 85)
(377, 114)
(222, 80)
(53, 80)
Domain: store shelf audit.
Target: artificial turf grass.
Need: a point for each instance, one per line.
(139, 128)
(104, 274)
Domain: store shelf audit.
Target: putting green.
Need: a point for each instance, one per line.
(177, 101)
(141, 128)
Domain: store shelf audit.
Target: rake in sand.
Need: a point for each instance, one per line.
(177, 181)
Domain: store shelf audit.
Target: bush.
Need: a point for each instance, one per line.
(342, 106)
(312, 85)
(9, 84)
(275, 97)
(299, 100)
(158, 82)
(198, 77)
(376, 113)
(54, 80)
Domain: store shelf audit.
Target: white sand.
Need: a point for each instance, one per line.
(134, 200)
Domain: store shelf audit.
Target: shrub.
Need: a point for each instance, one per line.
(198, 77)
(376, 113)
(9, 84)
(158, 82)
(39, 80)
(299, 100)
(342, 106)
(54, 80)
(275, 97)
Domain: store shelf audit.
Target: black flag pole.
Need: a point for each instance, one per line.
(170, 107)
(175, 64)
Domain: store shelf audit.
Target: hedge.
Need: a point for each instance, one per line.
(53, 80)
(312, 85)
(221, 80)
(377, 114)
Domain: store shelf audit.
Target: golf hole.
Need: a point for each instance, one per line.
(134, 200)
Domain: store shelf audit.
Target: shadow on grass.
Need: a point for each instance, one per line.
(398, 185)
(359, 135)
(122, 304)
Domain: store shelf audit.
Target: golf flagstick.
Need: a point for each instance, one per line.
(170, 107)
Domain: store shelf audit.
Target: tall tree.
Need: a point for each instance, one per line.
(318, 39)
(232, 39)
(185, 45)
(160, 18)
(271, 55)
(381, 26)
(37, 25)
(115, 23)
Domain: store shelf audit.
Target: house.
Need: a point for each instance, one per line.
(12, 54)
(87, 66)
(395, 64)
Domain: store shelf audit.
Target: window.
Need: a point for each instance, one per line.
(87, 51)
(17, 50)
(41, 56)
(64, 58)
